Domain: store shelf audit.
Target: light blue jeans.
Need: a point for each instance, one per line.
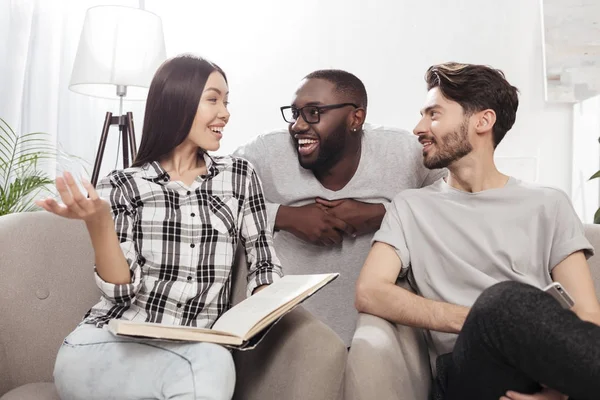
(94, 364)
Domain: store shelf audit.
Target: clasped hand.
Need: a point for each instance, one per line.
(325, 222)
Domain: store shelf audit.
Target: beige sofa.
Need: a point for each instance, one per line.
(390, 362)
(46, 286)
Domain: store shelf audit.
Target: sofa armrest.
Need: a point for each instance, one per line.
(387, 361)
(300, 358)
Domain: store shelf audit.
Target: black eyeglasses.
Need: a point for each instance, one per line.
(310, 114)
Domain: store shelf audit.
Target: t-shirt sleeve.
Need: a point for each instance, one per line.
(568, 236)
(256, 153)
(392, 233)
(252, 152)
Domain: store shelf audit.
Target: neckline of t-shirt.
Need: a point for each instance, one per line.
(510, 182)
(359, 169)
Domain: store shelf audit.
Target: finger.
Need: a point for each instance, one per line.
(342, 226)
(335, 237)
(519, 396)
(322, 207)
(92, 194)
(63, 191)
(66, 196)
(329, 203)
(52, 206)
(73, 188)
(42, 204)
(326, 238)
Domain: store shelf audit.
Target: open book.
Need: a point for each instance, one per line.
(242, 326)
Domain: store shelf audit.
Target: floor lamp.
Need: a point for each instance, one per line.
(119, 50)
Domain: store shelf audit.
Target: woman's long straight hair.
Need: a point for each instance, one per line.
(172, 104)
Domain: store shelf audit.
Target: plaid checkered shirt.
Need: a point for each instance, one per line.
(180, 242)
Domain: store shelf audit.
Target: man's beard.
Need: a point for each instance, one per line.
(331, 150)
(450, 148)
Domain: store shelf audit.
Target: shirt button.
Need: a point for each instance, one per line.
(178, 305)
(188, 192)
(189, 278)
(192, 245)
(193, 214)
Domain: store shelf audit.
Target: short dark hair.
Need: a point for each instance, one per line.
(172, 104)
(477, 88)
(345, 83)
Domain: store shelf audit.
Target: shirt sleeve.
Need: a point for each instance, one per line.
(568, 236)
(392, 233)
(255, 153)
(257, 236)
(115, 188)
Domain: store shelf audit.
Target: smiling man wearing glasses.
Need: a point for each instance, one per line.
(328, 179)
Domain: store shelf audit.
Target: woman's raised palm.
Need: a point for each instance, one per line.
(75, 204)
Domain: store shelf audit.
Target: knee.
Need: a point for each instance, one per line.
(502, 294)
(220, 361)
(504, 300)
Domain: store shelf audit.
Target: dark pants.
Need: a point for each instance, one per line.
(515, 337)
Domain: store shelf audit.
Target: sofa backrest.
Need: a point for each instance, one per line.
(46, 286)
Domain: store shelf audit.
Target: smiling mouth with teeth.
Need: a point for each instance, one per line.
(426, 144)
(216, 129)
(307, 146)
(307, 142)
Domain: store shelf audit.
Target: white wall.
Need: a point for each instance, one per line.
(586, 158)
(267, 46)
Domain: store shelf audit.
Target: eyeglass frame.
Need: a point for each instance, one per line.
(319, 109)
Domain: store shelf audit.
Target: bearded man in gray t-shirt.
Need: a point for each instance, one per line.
(477, 247)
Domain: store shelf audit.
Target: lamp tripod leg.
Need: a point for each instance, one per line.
(101, 147)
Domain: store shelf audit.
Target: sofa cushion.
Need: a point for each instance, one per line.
(33, 391)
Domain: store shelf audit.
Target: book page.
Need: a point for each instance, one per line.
(243, 317)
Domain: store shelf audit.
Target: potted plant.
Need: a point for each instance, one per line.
(21, 178)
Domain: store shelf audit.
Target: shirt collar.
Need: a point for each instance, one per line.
(154, 172)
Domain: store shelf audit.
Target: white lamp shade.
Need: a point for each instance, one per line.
(118, 46)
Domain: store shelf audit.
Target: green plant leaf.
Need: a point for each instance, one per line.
(20, 177)
(596, 175)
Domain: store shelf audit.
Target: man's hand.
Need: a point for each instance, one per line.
(362, 217)
(312, 224)
(545, 394)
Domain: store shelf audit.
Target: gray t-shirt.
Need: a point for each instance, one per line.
(391, 162)
(456, 244)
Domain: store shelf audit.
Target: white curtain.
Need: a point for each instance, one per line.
(38, 43)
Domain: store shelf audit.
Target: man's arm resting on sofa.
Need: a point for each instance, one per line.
(377, 294)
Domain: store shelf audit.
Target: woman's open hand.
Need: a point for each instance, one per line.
(75, 204)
